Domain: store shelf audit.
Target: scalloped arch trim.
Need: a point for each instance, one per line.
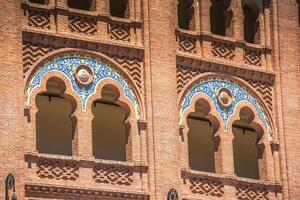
(210, 87)
(66, 65)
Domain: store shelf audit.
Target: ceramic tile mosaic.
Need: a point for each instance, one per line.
(66, 66)
(211, 87)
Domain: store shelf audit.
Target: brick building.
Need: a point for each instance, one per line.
(148, 99)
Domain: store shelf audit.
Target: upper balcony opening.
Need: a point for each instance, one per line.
(44, 2)
(119, 8)
(88, 5)
(186, 15)
(221, 18)
(251, 22)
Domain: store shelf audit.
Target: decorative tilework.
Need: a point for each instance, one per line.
(211, 87)
(66, 66)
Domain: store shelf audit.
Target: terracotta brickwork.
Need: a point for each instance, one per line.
(162, 74)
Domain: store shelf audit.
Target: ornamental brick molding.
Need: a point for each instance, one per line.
(59, 170)
(207, 187)
(119, 31)
(115, 175)
(187, 44)
(251, 192)
(39, 19)
(83, 25)
(223, 50)
(252, 57)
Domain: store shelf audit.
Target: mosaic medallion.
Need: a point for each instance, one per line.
(84, 74)
(224, 97)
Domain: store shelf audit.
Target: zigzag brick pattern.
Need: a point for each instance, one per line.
(83, 25)
(223, 50)
(115, 175)
(39, 19)
(184, 75)
(207, 187)
(57, 170)
(32, 53)
(266, 92)
(133, 66)
(251, 192)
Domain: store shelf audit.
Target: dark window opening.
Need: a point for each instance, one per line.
(186, 12)
(82, 4)
(200, 143)
(110, 135)
(221, 18)
(39, 1)
(119, 8)
(251, 24)
(55, 127)
(245, 151)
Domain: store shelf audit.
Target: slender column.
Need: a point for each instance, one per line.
(84, 130)
(205, 27)
(238, 28)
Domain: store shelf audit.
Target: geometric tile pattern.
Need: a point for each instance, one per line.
(206, 186)
(84, 25)
(39, 19)
(32, 53)
(251, 192)
(119, 31)
(187, 44)
(66, 65)
(223, 50)
(252, 57)
(112, 174)
(210, 87)
(57, 170)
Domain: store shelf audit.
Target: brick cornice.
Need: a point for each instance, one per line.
(55, 191)
(244, 71)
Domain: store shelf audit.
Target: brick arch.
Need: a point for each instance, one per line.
(236, 83)
(113, 71)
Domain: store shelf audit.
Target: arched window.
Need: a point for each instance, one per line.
(82, 4)
(186, 14)
(39, 1)
(202, 144)
(221, 17)
(251, 22)
(110, 134)
(247, 155)
(119, 8)
(54, 125)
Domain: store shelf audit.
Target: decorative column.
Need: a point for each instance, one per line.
(102, 7)
(238, 29)
(205, 27)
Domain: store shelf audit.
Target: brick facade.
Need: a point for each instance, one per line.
(160, 71)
